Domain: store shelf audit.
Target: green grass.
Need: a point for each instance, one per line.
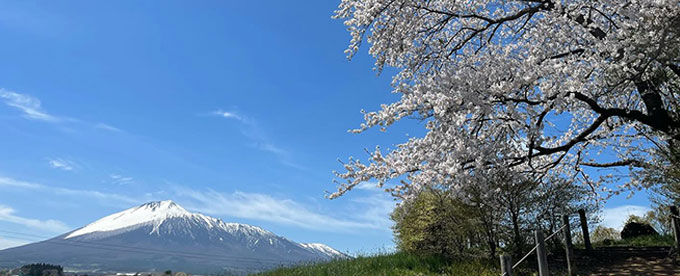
(397, 264)
(656, 240)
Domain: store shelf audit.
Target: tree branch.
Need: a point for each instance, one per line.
(665, 126)
(581, 137)
(620, 163)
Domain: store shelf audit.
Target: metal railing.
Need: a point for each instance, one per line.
(538, 244)
(506, 267)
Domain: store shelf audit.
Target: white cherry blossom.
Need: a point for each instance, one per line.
(536, 87)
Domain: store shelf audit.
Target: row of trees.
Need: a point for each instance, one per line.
(475, 222)
(663, 179)
(38, 268)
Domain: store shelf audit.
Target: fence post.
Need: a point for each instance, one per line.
(569, 248)
(506, 265)
(675, 224)
(540, 252)
(584, 230)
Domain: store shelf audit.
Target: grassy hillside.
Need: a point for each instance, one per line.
(654, 240)
(398, 264)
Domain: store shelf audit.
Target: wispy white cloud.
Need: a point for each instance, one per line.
(121, 180)
(228, 114)
(277, 210)
(61, 164)
(376, 206)
(31, 108)
(615, 217)
(53, 226)
(377, 209)
(18, 184)
(251, 129)
(9, 243)
(9, 182)
(107, 127)
(29, 105)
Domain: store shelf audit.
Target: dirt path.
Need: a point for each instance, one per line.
(639, 266)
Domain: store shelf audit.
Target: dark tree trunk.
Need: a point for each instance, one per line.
(519, 244)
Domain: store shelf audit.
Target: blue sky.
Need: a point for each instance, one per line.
(236, 109)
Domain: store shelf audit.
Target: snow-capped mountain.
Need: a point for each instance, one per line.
(162, 235)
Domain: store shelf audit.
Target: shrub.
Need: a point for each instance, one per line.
(605, 235)
(637, 229)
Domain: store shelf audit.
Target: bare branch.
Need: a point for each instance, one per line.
(620, 163)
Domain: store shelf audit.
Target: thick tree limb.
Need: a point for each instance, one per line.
(665, 125)
(620, 163)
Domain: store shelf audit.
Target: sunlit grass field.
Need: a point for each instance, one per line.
(397, 264)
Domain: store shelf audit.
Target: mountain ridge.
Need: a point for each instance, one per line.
(162, 235)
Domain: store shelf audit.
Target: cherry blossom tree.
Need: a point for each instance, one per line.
(537, 87)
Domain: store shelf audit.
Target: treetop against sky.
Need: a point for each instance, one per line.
(536, 87)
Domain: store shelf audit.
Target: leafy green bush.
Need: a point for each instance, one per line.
(602, 234)
(434, 223)
(652, 240)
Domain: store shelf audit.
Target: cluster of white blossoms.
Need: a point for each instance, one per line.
(535, 87)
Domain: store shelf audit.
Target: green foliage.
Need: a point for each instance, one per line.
(433, 224)
(652, 240)
(663, 178)
(38, 268)
(638, 226)
(438, 221)
(638, 219)
(398, 264)
(659, 218)
(603, 234)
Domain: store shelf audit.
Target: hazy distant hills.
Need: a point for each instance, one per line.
(162, 235)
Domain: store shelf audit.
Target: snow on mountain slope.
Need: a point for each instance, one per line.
(153, 212)
(172, 218)
(157, 213)
(163, 235)
(323, 249)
